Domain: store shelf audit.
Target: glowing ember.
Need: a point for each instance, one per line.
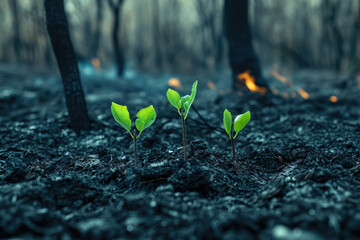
(279, 77)
(174, 82)
(250, 83)
(291, 84)
(211, 85)
(225, 92)
(274, 91)
(333, 99)
(303, 94)
(96, 63)
(285, 95)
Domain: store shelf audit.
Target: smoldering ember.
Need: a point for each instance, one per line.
(203, 119)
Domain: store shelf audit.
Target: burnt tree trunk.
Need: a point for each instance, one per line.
(332, 35)
(116, 9)
(97, 32)
(57, 27)
(157, 34)
(242, 56)
(17, 37)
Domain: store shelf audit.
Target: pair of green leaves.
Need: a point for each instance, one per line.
(182, 104)
(145, 117)
(239, 122)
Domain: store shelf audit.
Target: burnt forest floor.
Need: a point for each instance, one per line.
(297, 174)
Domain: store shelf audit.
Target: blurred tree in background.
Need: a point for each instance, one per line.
(180, 36)
(116, 7)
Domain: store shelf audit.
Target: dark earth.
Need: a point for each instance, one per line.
(297, 174)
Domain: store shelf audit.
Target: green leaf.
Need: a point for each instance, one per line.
(122, 116)
(227, 122)
(241, 121)
(146, 117)
(192, 98)
(174, 98)
(185, 102)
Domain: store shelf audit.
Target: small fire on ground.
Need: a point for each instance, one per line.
(303, 94)
(284, 80)
(96, 63)
(249, 81)
(174, 82)
(333, 99)
(211, 85)
(281, 78)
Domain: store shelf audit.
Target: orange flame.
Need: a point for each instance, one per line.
(174, 82)
(303, 94)
(211, 85)
(96, 63)
(250, 83)
(333, 99)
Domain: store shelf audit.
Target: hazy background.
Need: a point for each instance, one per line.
(185, 36)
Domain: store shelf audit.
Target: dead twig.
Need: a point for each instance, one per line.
(205, 122)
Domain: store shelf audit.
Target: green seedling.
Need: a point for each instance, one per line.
(145, 117)
(239, 123)
(182, 104)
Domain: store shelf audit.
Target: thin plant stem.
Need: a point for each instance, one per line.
(184, 133)
(233, 148)
(135, 154)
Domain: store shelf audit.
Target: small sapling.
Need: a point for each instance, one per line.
(239, 123)
(145, 117)
(182, 104)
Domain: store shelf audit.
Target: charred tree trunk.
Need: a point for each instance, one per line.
(332, 34)
(57, 27)
(16, 20)
(116, 9)
(157, 35)
(210, 34)
(115, 38)
(206, 29)
(242, 56)
(97, 32)
(219, 49)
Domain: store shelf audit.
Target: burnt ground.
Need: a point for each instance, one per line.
(297, 174)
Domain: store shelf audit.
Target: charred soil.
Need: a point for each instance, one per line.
(297, 174)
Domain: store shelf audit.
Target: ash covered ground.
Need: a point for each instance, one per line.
(297, 174)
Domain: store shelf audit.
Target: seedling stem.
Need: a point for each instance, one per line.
(135, 154)
(239, 123)
(184, 133)
(233, 148)
(145, 117)
(182, 105)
